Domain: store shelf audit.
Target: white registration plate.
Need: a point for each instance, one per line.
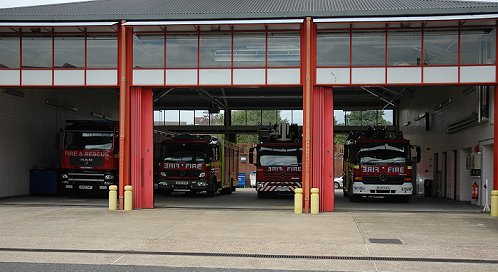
(182, 183)
(383, 187)
(282, 189)
(85, 187)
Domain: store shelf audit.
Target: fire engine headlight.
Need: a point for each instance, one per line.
(64, 176)
(109, 177)
(361, 188)
(163, 174)
(406, 189)
(202, 174)
(107, 183)
(164, 183)
(202, 183)
(65, 181)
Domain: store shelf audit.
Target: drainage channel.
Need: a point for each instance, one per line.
(257, 256)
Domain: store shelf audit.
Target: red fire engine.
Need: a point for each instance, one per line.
(89, 157)
(193, 163)
(278, 160)
(378, 164)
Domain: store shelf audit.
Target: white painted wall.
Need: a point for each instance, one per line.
(28, 128)
(436, 140)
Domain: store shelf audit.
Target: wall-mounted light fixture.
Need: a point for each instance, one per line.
(442, 104)
(58, 105)
(97, 115)
(13, 92)
(420, 116)
(69, 108)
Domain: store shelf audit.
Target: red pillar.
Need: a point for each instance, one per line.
(327, 196)
(306, 73)
(141, 148)
(495, 145)
(323, 147)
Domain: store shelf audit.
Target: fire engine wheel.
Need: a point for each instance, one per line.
(346, 193)
(261, 195)
(212, 190)
(354, 198)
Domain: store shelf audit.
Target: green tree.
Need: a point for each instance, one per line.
(252, 118)
(366, 118)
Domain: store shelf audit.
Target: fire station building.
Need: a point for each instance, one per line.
(426, 67)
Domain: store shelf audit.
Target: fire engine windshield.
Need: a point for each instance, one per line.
(383, 153)
(279, 156)
(185, 152)
(84, 140)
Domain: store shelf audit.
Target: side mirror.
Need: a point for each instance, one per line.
(419, 153)
(251, 155)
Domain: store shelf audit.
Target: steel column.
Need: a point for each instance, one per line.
(327, 195)
(307, 112)
(123, 115)
(142, 148)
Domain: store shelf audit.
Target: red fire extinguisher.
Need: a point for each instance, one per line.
(475, 191)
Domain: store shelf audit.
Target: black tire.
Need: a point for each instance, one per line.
(167, 192)
(234, 188)
(261, 195)
(354, 198)
(336, 185)
(212, 190)
(403, 199)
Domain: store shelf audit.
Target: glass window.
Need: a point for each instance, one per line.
(269, 117)
(217, 119)
(339, 118)
(386, 117)
(186, 117)
(369, 48)
(69, 51)
(148, 51)
(239, 117)
(158, 117)
(254, 117)
(102, 52)
(286, 115)
(10, 52)
(297, 117)
(332, 49)
(478, 46)
(404, 48)
(181, 50)
(249, 49)
(171, 117)
(440, 47)
(37, 52)
(201, 118)
(283, 49)
(216, 50)
(369, 118)
(353, 118)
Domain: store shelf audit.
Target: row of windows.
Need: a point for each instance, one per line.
(268, 117)
(253, 49)
(239, 117)
(68, 51)
(214, 50)
(405, 48)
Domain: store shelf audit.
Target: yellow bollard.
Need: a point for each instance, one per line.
(315, 201)
(113, 197)
(298, 201)
(494, 203)
(128, 198)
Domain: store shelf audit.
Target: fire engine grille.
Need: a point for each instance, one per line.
(86, 161)
(257, 256)
(181, 173)
(389, 180)
(86, 177)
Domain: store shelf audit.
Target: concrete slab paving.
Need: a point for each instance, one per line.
(128, 238)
